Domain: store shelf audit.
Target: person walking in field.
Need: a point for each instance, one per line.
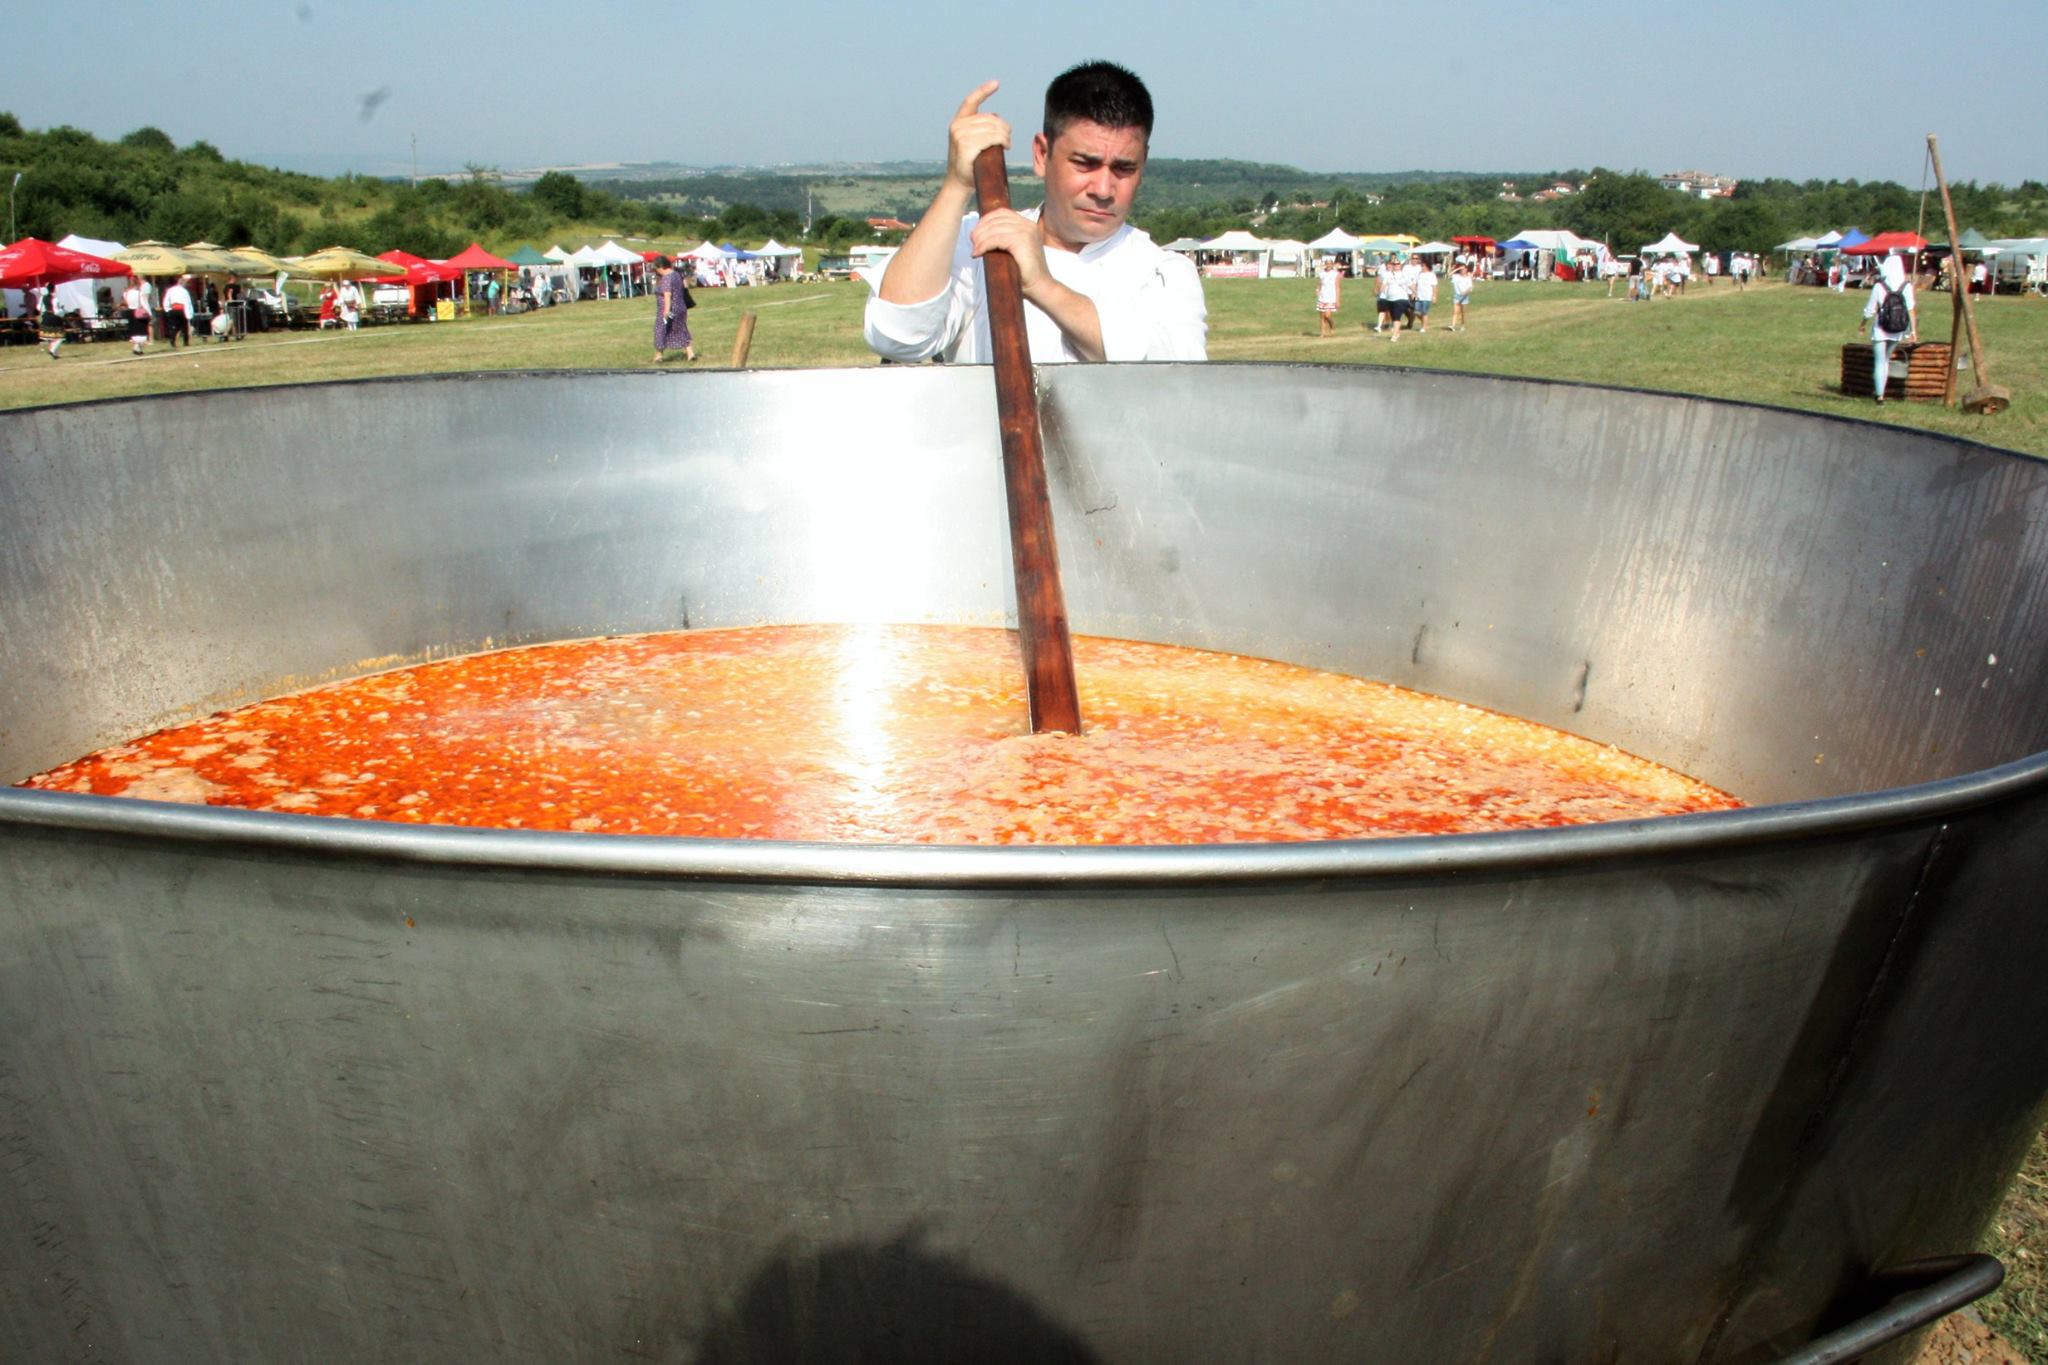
(1894, 317)
(178, 313)
(1328, 278)
(135, 298)
(1461, 294)
(49, 322)
(1425, 294)
(348, 300)
(672, 304)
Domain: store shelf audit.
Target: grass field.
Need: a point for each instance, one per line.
(1773, 344)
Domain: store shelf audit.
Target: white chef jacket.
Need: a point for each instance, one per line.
(178, 299)
(1147, 299)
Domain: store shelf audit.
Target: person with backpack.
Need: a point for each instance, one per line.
(1894, 317)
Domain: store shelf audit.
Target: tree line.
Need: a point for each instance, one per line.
(146, 187)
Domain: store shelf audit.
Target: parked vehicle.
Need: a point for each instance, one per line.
(2021, 267)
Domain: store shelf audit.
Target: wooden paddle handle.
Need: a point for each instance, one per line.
(1035, 561)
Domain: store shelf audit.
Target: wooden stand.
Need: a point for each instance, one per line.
(1929, 365)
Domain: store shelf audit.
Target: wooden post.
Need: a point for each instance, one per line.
(1986, 396)
(1041, 605)
(744, 342)
(1955, 325)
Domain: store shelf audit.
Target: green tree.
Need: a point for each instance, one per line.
(147, 139)
(1624, 210)
(561, 195)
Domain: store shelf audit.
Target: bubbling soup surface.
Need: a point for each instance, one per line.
(885, 734)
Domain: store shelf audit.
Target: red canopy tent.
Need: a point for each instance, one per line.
(419, 270)
(1885, 243)
(423, 278)
(33, 261)
(1481, 242)
(474, 257)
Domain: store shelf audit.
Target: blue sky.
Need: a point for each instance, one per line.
(1743, 88)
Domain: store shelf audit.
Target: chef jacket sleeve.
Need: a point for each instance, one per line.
(919, 331)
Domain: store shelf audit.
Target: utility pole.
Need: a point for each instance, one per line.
(10, 206)
(415, 160)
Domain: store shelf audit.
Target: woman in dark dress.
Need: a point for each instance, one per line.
(672, 304)
(50, 323)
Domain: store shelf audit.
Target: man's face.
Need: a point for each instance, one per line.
(1091, 176)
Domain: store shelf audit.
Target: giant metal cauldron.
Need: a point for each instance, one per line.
(281, 1088)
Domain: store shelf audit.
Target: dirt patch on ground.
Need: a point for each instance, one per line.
(1959, 1339)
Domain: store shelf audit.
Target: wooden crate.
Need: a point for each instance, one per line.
(1925, 364)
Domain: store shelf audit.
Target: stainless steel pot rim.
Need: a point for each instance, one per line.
(951, 865)
(763, 860)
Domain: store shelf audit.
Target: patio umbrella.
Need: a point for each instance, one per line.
(218, 260)
(208, 259)
(266, 263)
(33, 261)
(341, 263)
(155, 258)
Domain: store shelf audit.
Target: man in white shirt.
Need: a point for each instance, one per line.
(1397, 292)
(1095, 288)
(178, 313)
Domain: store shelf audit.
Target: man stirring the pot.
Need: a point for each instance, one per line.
(1095, 288)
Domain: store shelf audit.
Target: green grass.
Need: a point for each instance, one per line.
(1773, 344)
(2019, 1237)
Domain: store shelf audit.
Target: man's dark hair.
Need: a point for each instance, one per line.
(1100, 92)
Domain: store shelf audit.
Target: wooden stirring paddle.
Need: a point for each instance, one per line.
(1035, 561)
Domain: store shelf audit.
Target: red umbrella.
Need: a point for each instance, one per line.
(32, 261)
(1885, 243)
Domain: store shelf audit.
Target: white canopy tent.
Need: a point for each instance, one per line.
(1565, 245)
(1336, 239)
(556, 254)
(82, 296)
(1249, 254)
(1559, 245)
(784, 262)
(1798, 244)
(1670, 244)
(1289, 258)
